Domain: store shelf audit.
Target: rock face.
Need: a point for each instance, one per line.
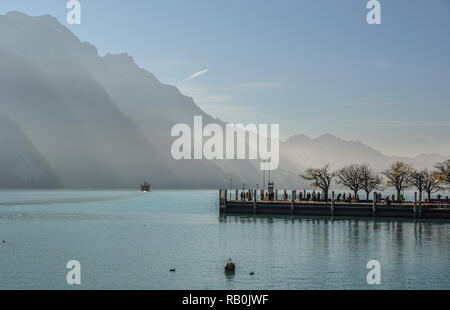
(21, 165)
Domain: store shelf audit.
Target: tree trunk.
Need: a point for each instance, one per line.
(367, 195)
(429, 196)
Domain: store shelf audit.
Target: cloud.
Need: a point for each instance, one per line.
(204, 95)
(254, 85)
(402, 123)
(196, 75)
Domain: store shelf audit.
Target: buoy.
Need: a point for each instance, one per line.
(252, 273)
(229, 265)
(172, 270)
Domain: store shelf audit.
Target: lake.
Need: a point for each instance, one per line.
(131, 240)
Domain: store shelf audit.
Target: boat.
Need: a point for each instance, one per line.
(229, 266)
(145, 187)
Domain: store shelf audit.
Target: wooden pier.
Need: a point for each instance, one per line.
(415, 209)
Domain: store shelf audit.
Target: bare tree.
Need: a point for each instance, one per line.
(397, 176)
(425, 181)
(443, 170)
(370, 181)
(432, 184)
(321, 177)
(351, 177)
(417, 179)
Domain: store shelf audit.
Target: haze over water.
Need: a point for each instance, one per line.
(130, 240)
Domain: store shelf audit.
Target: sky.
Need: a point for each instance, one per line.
(314, 67)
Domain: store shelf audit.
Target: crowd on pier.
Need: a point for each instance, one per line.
(248, 195)
(359, 178)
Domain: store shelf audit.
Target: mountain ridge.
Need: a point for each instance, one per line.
(105, 122)
(21, 164)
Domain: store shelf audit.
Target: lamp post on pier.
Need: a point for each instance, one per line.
(264, 178)
(230, 187)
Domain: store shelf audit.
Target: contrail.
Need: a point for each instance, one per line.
(197, 74)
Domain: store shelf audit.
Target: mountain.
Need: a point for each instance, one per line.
(102, 122)
(21, 165)
(46, 89)
(330, 149)
(307, 152)
(105, 122)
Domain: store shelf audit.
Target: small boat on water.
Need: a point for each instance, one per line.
(229, 266)
(145, 187)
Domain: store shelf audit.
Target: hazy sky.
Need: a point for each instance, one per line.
(314, 67)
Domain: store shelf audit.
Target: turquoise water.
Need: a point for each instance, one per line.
(130, 240)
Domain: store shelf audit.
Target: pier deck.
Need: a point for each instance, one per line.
(333, 208)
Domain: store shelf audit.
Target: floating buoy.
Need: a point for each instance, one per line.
(229, 265)
(252, 273)
(172, 270)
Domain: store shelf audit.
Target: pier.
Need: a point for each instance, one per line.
(292, 206)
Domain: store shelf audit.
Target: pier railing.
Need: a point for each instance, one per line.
(305, 202)
(317, 197)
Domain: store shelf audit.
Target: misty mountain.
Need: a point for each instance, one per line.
(21, 165)
(100, 121)
(303, 152)
(45, 88)
(156, 108)
(330, 149)
(104, 122)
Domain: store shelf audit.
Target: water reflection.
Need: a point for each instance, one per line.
(374, 222)
(229, 275)
(358, 232)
